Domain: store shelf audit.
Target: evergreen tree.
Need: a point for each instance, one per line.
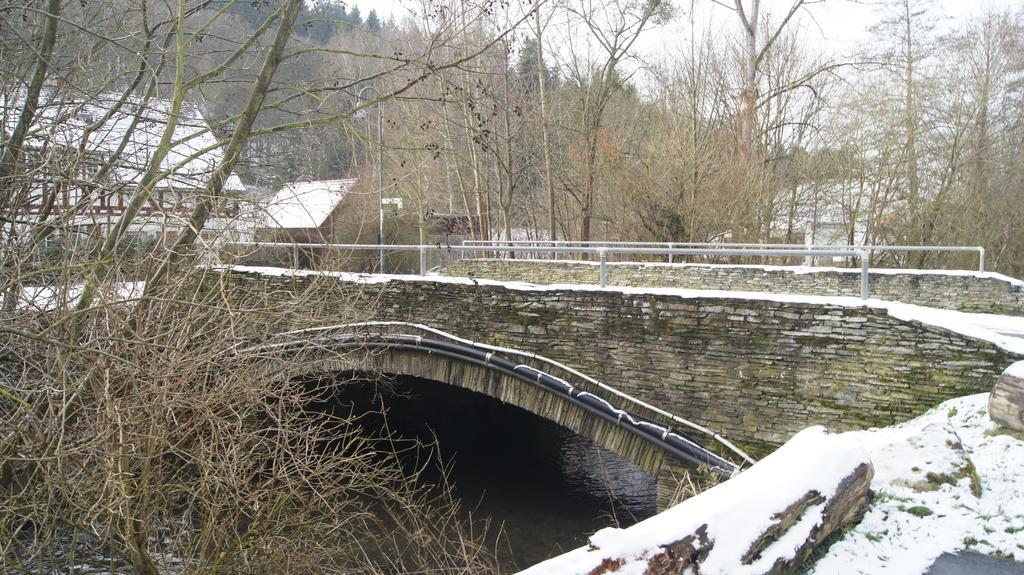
(526, 69)
(325, 19)
(372, 22)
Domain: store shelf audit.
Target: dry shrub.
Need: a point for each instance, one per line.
(692, 483)
(150, 445)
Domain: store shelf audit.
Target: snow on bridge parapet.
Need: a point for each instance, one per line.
(1003, 331)
(969, 291)
(766, 519)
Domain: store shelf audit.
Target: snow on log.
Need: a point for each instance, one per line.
(764, 520)
(1006, 402)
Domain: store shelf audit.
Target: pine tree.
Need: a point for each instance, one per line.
(372, 22)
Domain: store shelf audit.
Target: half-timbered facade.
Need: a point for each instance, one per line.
(84, 160)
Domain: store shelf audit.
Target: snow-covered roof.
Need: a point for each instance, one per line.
(305, 204)
(62, 120)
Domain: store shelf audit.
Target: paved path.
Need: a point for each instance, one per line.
(968, 563)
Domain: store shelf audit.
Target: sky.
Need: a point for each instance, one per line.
(839, 26)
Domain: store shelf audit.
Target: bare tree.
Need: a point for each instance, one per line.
(538, 29)
(614, 27)
(907, 30)
(126, 436)
(751, 21)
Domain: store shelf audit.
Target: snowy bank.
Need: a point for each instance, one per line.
(749, 524)
(948, 481)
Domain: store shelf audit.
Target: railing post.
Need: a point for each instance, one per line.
(295, 256)
(670, 253)
(865, 265)
(423, 260)
(981, 259)
(604, 266)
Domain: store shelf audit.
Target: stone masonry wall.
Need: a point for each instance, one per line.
(755, 370)
(971, 292)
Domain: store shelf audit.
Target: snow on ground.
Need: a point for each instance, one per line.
(1016, 370)
(948, 481)
(925, 504)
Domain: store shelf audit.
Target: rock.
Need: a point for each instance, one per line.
(1006, 402)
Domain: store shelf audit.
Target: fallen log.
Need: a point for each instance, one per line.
(767, 519)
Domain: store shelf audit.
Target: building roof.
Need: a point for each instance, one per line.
(305, 204)
(62, 120)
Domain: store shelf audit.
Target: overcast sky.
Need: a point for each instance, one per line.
(839, 25)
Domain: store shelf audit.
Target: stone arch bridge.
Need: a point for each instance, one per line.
(752, 368)
(661, 444)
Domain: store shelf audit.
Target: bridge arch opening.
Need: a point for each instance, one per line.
(543, 487)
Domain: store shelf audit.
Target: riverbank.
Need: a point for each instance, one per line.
(946, 482)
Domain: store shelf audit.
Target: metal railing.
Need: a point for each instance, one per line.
(871, 249)
(602, 253)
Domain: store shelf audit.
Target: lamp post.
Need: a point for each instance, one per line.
(380, 168)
